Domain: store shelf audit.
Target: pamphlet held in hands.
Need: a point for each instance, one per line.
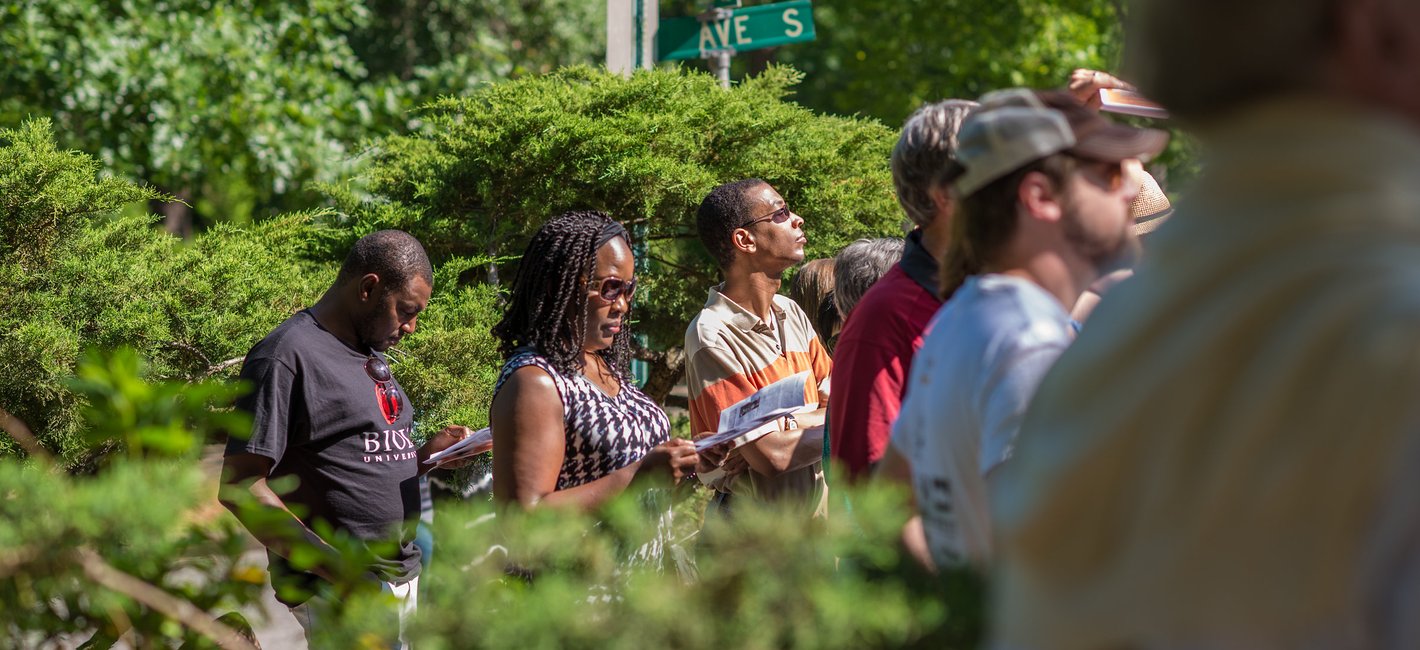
(745, 420)
(1128, 102)
(476, 443)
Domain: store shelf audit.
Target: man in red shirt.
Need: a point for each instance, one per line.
(874, 355)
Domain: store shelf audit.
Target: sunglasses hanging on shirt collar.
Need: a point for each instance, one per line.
(386, 393)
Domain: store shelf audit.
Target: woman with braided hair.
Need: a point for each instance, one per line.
(569, 427)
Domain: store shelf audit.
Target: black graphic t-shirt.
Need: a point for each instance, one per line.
(322, 414)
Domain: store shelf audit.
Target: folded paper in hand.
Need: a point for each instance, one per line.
(1127, 102)
(744, 421)
(474, 444)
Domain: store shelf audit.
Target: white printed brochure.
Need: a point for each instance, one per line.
(474, 444)
(745, 421)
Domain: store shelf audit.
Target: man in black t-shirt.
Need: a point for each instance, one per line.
(327, 412)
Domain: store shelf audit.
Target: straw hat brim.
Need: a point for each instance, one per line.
(1151, 208)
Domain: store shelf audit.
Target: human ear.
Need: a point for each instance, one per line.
(944, 201)
(743, 240)
(1040, 197)
(369, 284)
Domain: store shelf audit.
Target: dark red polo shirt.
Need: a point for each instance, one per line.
(873, 359)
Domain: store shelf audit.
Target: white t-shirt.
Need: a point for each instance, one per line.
(983, 357)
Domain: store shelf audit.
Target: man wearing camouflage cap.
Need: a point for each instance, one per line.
(1044, 213)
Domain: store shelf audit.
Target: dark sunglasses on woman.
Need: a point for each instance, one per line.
(611, 288)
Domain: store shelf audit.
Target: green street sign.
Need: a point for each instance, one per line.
(744, 28)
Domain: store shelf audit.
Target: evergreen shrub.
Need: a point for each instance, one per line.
(488, 169)
(78, 271)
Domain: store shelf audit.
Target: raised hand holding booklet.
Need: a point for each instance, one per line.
(1128, 102)
(476, 443)
(745, 420)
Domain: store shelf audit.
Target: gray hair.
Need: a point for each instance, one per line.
(858, 266)
(924, 158)
(1203, 57)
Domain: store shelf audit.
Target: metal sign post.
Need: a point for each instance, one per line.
(631, 28)
(719, 59)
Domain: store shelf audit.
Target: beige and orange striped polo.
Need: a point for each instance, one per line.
(731, 353)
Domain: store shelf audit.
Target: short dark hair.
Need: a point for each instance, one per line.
(394, 255)
(547, 309)
(724, 209)
(986, 220)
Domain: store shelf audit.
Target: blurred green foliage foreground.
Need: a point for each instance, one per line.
(136, 549)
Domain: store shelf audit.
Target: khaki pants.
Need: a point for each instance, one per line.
(309, 613)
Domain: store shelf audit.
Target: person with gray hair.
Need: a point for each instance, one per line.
(1229, 455)
(1044, 213)
(874, 356)
(858, 266)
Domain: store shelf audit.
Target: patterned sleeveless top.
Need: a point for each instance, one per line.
(604, 433)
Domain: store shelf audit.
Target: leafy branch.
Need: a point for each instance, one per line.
(161, 601)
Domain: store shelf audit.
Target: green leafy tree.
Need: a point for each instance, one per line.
(489, 168)
(237, 106)
(136, 551)
(885, 58)
(236, 103)
(451, 46)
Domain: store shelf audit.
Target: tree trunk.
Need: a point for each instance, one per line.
(664, 369)
(177, 215)
(759, 61)
(493, 266)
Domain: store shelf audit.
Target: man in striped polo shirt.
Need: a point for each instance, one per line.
(748, 336)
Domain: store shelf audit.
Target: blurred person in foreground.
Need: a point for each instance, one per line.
(1229, 457)
(749, 336)
(570, 427)
(872, 368)
(1044, 213)
(327, 411)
